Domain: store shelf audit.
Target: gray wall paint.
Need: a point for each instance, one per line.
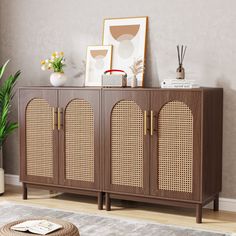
(30, 30)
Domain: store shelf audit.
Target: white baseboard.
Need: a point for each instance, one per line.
(225, 204)
(12, 180)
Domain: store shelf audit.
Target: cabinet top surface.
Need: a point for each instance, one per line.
(117, 88)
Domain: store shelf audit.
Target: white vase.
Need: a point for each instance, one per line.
(134, 82)
(2, 182)
(58, 79)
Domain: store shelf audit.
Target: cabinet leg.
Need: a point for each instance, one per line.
(25, 192)
(100, 200)
(108, 202)
(216, 203)
(198, 213)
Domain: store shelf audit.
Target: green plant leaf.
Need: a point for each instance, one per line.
(2, 68)
(6, 95)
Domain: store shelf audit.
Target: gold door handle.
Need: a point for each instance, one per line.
(151, 126)
(145, 123)
(58, 118)
(53, 118)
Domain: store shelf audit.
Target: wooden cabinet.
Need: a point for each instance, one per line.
(60, 139)
(145, 144)
(161, 145)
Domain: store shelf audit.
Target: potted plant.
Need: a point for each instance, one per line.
(56, 63)
(6, 127)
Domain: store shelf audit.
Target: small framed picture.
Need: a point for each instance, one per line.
(98, 61)
(128, 37)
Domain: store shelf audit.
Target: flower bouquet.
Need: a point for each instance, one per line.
(55, 63)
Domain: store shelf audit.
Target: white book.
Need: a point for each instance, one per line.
(42, 227)
(177, 83)
(181, 86)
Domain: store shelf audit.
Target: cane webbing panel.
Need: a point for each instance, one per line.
(175, 147)
(127, 144)
(39, 138)
(79, 141)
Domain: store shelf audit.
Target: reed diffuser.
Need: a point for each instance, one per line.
(180, 72)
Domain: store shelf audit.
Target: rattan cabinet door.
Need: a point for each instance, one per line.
(176, 150)
(38, 136)
(126, 141)
(79, 138)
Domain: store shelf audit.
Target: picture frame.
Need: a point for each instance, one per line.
(128, 38)
(98, 60)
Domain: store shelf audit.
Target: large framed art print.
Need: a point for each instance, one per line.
(128, 38)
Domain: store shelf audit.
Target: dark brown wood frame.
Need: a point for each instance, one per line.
(207, 109)
(59, 99)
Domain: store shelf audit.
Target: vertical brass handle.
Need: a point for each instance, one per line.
(145, 123)
(53, 118)
(58, 118)
(151, 127)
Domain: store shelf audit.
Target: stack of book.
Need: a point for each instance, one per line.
(179, 83)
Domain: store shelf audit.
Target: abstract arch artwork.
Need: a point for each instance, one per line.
(98, 61)
(128, 37)
(124, 35)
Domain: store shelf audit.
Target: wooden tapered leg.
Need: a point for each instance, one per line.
(108, 202)
(199, 213)
(100, 200)
(216, 203)
(25, 192)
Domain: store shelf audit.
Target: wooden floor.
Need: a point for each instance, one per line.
(216, 221)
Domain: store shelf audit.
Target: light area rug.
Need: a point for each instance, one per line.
(95, 225)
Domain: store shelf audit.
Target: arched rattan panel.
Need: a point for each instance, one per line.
(127, 144)
(39, 138)
(175, 147)
(79, 141)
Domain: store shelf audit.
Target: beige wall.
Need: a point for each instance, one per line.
(31, 29)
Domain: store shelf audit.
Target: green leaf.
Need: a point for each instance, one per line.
(2, 68)
(6, 95)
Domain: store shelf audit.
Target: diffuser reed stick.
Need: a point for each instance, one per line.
(181, 54)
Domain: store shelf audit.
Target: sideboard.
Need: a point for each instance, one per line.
(152, 145)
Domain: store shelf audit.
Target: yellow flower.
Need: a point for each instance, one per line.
(62, 54)
(54, 54)
(43, 62)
